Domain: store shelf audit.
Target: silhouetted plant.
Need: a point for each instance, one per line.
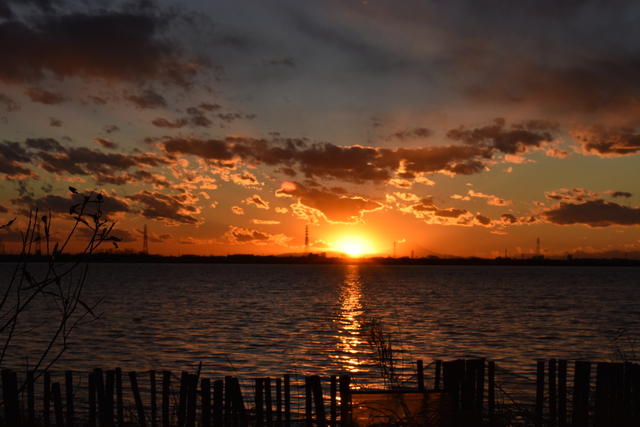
(384, 354)
(43, 280)
(624, 346)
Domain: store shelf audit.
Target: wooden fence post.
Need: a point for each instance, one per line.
(182, 403)
(308, 402)
(192, 399)
(581, 379)
(491, 380)
(287, 400)
(205, 391)
(92, 400)
(420, 375)
(68, 380)
(278, 402)
(333, 396)
(268, 403)
(553, 398)
(259, 404)
(154, 398)
(166, 396)
(218, 402)
(31, 399)
(345, 401)
(539, 393)
(119, 399)
(11, 398)
(56, 393)
(562, 393)
(142, 421)
(109, 386)
(438, 369)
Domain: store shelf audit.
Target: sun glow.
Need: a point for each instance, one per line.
(353, 249)
(354, 246)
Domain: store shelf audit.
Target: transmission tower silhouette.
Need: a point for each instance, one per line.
(306, 240)
(145, 243)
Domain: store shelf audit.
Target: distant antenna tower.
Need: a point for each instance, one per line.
(538, 247)
(145, 243)
(306, 240)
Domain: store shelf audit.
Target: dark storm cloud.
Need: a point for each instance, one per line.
(608, 141)
(593, 213)
(91, 45)
(171, 209)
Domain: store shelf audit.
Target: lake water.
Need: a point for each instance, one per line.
(267, 320)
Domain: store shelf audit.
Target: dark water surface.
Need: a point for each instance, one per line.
(267, 320)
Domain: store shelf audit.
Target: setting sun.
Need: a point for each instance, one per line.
(354, 246)
(353, 249)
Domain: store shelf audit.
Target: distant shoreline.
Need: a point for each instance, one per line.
(326, 260)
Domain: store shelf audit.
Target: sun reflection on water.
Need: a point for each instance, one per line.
(348, 320)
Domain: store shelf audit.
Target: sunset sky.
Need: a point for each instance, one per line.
(466, 127)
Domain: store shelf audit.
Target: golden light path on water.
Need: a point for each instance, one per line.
(349, 324)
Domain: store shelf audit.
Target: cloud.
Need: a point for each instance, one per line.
(106, 143)
(431, 214)
(508, 219)
(59, 205)
(333, 208)
(257, 202)
(410, 134)
(243, 236)
(172, 209)
(54, 122)
(264, 222)
(8, 104)
(164, 123)
(517, 139)
(619, 194)
(44, 96)
(147, 99)
(284, 62)
(573, 195)
(608, 141)
(237, 210)
(90, 45)
(492, 200)
(593, 213)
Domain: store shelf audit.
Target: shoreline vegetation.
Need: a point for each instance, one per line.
(111, 257)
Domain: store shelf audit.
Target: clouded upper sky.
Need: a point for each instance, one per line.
(466, 128)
